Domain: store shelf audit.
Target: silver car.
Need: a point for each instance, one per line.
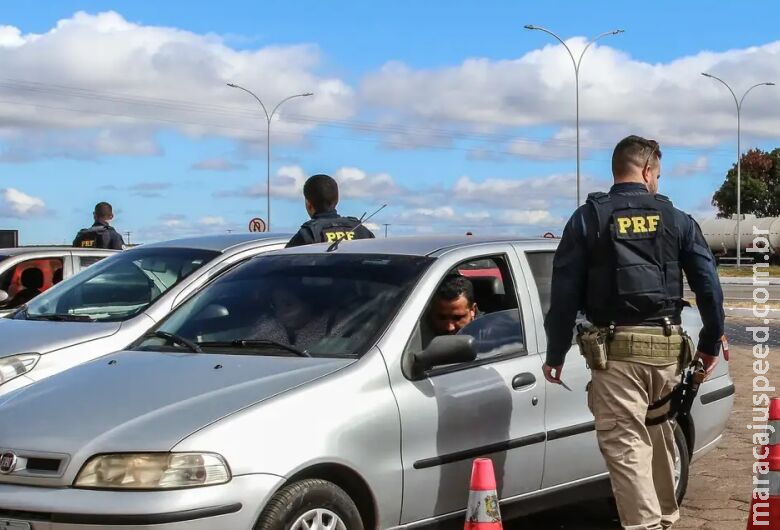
(54, 264)
(114, 302)
(304, 390)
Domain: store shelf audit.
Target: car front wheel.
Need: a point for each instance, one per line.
(682, 463)
(310, 504)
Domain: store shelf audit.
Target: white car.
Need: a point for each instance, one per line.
(114, 303)
(53, 264)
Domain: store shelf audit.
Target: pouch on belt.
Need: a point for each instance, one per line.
(651, 345)
(592, 346)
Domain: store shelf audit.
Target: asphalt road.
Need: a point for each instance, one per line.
(741, 292)
(720, 482)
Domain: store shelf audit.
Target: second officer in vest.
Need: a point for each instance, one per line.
(621, 261)
(321, 193)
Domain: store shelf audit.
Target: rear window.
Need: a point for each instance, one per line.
(541, 267)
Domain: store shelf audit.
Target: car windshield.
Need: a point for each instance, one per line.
(118, 287)
(310, 305)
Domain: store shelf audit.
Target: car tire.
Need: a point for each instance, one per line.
(683, 466)
(310, 500)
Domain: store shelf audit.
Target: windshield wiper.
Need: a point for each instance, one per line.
(172, 338)
(59, 317)
(251, 343)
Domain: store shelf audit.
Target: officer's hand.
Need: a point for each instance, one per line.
(548, 373)
(709, 361)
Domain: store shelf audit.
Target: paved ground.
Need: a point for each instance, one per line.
(719, 492)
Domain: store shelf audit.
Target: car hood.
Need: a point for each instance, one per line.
(144, 401)
(41, 336)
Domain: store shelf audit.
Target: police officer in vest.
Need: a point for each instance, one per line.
(100, 234)
(620, 261)
(321, 193)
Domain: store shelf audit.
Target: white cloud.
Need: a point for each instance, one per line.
(560, 146)
(694, 167)
(354, 183)
(212, 221)
(618, 93)
(217, 164)
(104, 73)
(530, 217)
(17, 204)
(524, 193)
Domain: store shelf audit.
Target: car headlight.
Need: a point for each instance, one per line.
(16, 365)
(153, 471)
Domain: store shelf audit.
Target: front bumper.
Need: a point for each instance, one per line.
(235, 505)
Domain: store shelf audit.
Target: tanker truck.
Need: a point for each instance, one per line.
(721, 236)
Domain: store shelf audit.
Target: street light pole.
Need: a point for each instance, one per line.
(576, 62)
(268, 118)
(738, 103)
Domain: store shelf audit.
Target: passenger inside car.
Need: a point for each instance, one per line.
(32, 283)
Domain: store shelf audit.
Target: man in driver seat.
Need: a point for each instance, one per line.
(453, 308)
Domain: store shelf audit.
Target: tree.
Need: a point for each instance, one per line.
(760, 186)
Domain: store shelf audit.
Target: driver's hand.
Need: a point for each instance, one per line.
(552, 373)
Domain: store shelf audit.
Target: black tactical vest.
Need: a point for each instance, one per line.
(93, 237)
(634, 274)
(330, 229)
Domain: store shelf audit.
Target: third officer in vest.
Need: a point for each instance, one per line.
(321, 193)
(620, 261)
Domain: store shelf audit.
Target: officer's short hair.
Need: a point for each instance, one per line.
(103, 210)
(634, 152)
(453, 287)
(322, 192)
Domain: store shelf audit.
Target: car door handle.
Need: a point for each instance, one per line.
(523, 380)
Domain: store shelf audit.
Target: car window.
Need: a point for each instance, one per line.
(496, 324)
(27, 279)
(121, 286)
(541, 267)
(325, 305)
(86, 261)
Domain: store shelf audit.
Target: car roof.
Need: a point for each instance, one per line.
(222, 242)
(418, 245)
(18, 251)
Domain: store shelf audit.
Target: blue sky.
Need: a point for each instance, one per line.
(450, 112)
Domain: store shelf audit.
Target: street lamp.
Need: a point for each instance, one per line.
(738, 103)
(268, 118)
(576, 62)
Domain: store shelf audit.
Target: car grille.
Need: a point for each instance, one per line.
(35, 464)
(44, 465)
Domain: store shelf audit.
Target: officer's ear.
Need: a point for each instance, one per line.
(309, 208)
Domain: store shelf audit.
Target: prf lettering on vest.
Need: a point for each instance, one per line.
(335, 236)
(638, 224)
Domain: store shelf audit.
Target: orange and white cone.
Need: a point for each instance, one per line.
(765, 510)
(483, 512)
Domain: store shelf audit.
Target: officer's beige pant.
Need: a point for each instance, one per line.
(640, 459)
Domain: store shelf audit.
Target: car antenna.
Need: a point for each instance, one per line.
(363, 219)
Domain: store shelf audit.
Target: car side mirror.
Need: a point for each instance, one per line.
(3, 296)
(443, 350)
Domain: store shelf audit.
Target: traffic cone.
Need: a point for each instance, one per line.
(482, 512)
(766, 513)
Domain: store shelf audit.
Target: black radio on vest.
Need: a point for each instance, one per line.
(635, 270)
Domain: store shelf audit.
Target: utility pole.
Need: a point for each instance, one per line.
(268, 119)
(128, 236)
(577, 63)
(738, 103)
(386, 225)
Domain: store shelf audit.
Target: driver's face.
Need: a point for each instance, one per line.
(450, 316)
(289, 309)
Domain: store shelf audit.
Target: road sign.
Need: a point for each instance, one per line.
(257, 225)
